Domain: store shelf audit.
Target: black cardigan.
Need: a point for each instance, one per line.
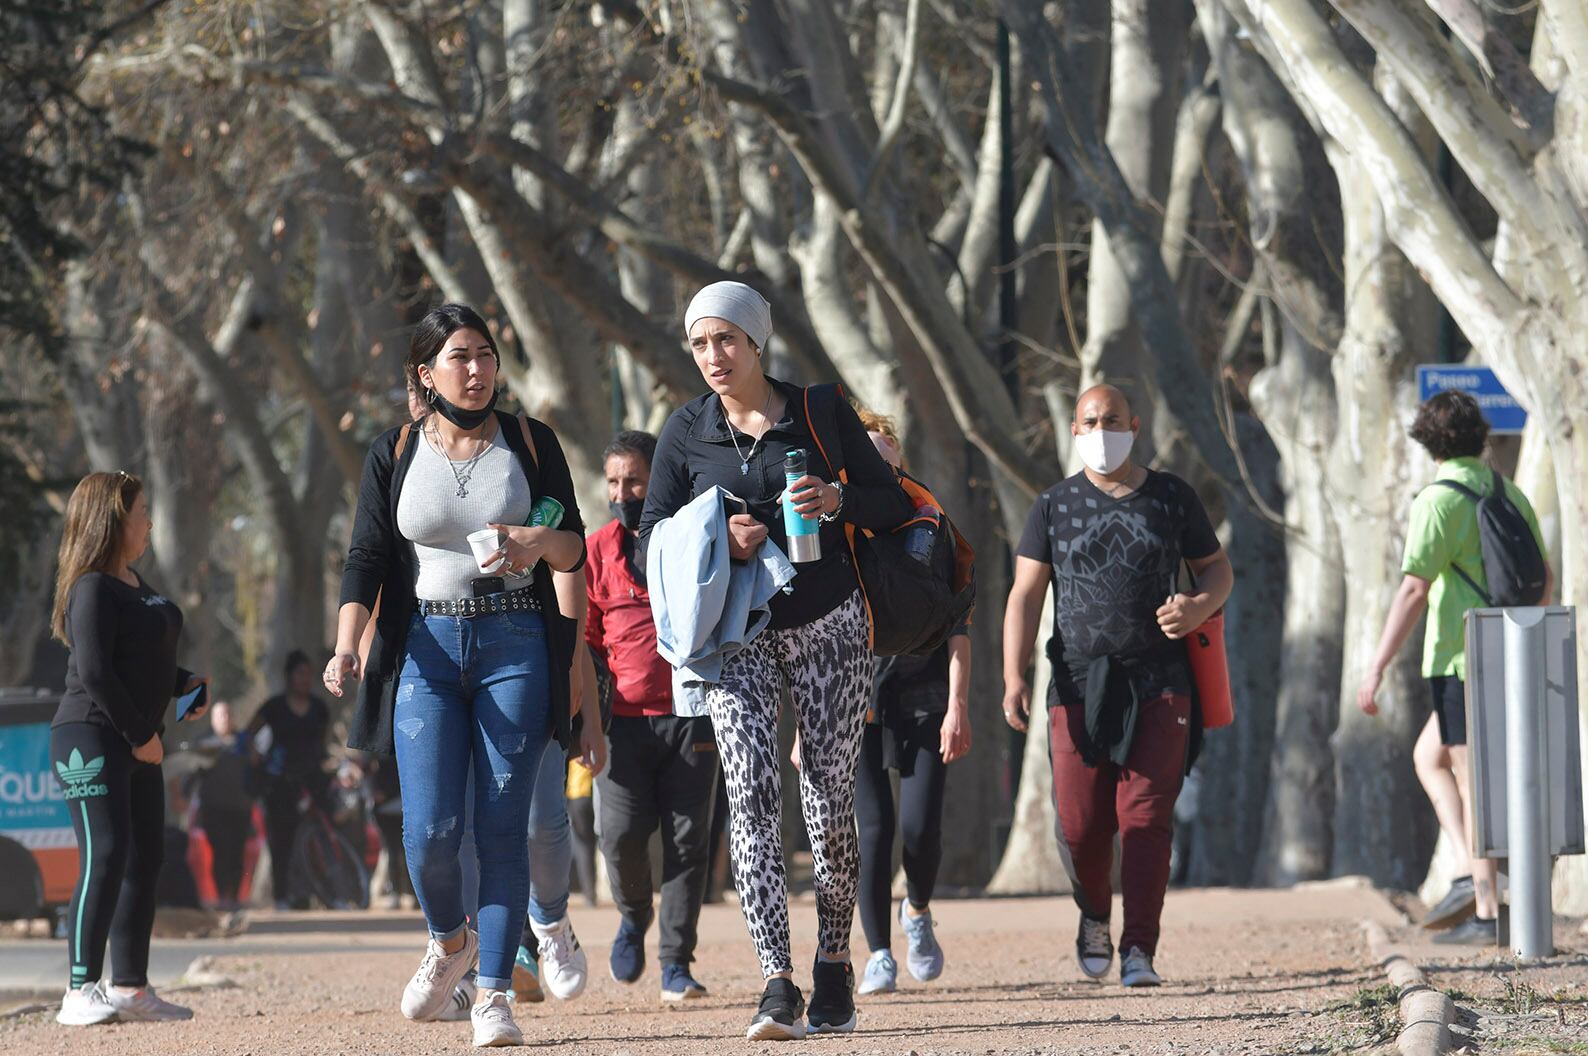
(381, 562)
(697, 450)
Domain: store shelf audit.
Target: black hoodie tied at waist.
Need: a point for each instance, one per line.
(1112, 698)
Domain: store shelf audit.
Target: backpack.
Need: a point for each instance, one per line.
(1512, 561)
(912, 605)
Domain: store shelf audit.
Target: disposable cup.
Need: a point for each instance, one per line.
(485, 543)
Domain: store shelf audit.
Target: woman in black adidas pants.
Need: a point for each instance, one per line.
(105, 746)
(817, 643)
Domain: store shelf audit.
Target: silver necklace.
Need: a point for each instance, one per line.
(462, 476)
(766, 424)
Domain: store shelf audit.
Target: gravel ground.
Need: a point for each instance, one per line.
(1247, 972)
(1505, 1007)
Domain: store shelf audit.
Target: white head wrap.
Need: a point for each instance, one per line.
(738, 304)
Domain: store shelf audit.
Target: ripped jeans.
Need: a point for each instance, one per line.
(472, 690)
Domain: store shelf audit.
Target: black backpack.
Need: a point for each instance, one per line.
(1512, 561)
(913, 605)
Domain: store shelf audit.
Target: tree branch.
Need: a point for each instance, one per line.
(614, 223)
(893, 124)
(1418, 212)
(1484, 140)
(430, 254)
(1501, 61)
(1072, 137)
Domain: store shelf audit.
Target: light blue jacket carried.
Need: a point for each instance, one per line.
(706, 608)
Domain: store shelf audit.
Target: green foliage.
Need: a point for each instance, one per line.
(1371, 1017)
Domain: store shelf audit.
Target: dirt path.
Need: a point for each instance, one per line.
(1247, 972)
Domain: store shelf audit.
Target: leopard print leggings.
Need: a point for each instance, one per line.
(827, 666)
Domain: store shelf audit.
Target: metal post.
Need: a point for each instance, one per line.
(1527, 794)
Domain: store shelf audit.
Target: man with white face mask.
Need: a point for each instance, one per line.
(1122, 726)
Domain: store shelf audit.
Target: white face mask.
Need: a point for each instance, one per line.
(1104, 450)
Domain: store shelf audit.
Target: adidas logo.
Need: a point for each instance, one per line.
(78, 776)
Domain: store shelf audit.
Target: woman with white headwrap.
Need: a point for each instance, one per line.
(736, 436)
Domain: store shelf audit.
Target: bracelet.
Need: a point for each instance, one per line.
(828, 518)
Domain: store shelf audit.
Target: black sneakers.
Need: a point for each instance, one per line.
(1458, 905)
(1474, 931)
(781, 1016)
(832, 997)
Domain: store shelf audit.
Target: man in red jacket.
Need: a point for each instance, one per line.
(663, 769)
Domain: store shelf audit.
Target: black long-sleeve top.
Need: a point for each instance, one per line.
(696, 451)
(380, 563)
(122, 671)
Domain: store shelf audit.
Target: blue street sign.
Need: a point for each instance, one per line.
(1505, 415)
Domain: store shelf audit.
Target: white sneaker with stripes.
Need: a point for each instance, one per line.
(458, 1005)
(86, 1006)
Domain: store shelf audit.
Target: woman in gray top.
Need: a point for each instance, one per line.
(466, 666)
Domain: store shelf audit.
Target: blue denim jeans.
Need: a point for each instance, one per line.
(472, 709)
(550, 844)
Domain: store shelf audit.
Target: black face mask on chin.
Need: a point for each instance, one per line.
(458, 416)
(627, 512)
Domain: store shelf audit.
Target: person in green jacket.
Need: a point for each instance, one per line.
(1442, 538)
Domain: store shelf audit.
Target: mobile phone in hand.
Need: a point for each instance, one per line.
(732, 504)
(192, 701)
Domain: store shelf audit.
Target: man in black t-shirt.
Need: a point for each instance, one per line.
(1111, 540)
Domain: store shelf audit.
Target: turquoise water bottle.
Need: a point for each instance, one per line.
(804, 534)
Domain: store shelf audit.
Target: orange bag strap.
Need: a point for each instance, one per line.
(402, 441)
(529, 441)
(849, 529)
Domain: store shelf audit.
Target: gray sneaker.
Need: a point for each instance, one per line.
(1135, 969)
(145, 1006)
(924, 955)
(881, 976)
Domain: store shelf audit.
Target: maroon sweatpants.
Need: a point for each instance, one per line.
(1135, 800)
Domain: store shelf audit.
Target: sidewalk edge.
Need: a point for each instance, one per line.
(1426, 1013)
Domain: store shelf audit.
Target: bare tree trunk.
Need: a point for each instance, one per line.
(1031, 863)
(1293, 227)
(1232, 777)
(1149, 41)
(1375, 470)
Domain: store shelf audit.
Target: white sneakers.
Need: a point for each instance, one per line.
(493, 1021)
(439, 973)
(95, 1003)
(87, 1006)
(458, 1005)
(563, 966)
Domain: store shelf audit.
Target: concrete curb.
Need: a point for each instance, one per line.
(1426, 1013)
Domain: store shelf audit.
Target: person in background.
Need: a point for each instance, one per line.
(291, 758)
(1111, 540)
(580, 794)
(105, 746)
(349, 806)
(664, 766)
(387, 808)
(1442, 543)
(225, 804)
(919, 723)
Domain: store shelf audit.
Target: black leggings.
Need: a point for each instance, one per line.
(118, 813)
(919, 817)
